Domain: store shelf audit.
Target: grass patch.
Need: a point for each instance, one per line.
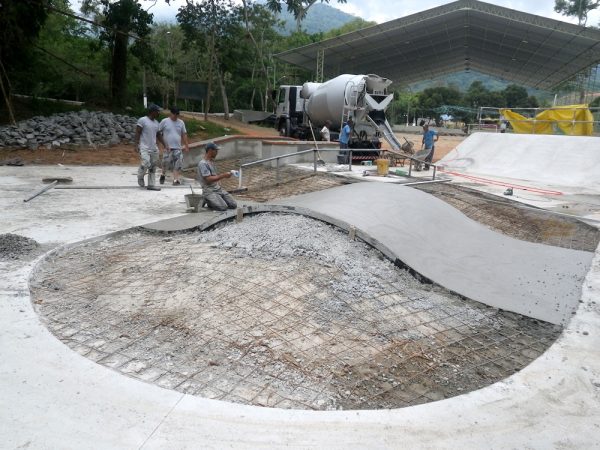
(201, 130)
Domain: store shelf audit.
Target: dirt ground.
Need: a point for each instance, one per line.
(443, 146)
(119, 155)
(244, 128)
(516, 220)
(263, 184)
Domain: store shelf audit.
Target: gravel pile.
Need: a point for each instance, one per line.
(87, 128)
(13, 246)
(361, 267)
(270, 236)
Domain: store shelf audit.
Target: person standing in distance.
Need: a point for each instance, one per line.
(325, 133)
(173, 132)
(146, 137)
(215, 196)
(345, 134)
(430, 137)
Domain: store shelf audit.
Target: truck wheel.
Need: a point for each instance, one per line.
(286, 128)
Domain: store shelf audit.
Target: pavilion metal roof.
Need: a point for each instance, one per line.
(463, 35)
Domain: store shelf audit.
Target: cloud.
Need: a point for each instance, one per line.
(385, 10)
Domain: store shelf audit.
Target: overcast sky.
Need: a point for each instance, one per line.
(384, 10)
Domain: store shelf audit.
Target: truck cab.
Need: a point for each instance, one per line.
(290, 110)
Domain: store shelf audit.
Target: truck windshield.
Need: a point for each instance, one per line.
(281, 96)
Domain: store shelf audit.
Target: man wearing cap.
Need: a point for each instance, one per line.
(215, 196)
(173, 132)
(430, 137)
(345, 134)
(146, 136)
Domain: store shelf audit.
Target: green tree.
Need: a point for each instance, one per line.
(217, 27)
(576, 8)
(433, 98)
(477, 95)
(121, 20)
(403, 107)
(20, 24)
(517, 97)
(61, 63)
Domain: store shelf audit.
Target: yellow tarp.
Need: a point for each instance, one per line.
(573, 120)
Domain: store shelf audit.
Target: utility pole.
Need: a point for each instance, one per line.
(144, 87)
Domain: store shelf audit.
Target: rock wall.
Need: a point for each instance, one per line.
(82, 128)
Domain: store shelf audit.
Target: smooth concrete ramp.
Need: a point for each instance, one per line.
(444, 245)
(569, 161)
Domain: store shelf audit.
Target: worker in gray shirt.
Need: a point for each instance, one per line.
(215, 196)
(146, 137)
(174, 134)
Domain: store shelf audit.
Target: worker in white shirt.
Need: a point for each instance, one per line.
(325, 133)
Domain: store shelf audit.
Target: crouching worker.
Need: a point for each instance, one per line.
(215, 196)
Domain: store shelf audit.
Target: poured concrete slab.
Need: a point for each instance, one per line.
(182, 223)
(570, 161)
(442, 244)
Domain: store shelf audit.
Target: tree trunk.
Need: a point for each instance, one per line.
(119, 70)
(221, 77)
(211, 52)
(6, 94)
(302, 12)
(259, 53)
(253, 88)
(224, 95)
(166, 104)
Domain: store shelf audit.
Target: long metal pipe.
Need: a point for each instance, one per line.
(41, 191)
(314, 151)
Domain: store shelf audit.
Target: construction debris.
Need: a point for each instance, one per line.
(13, 246)
(87, 128)
(12, 162)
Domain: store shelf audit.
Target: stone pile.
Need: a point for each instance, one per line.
(82, 128)
(13, 246)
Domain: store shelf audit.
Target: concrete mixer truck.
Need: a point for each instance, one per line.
(303, 110)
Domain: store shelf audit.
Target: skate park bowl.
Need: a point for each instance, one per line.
(571, 162)
(286, 310)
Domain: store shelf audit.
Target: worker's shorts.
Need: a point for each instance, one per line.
(148, 160)
(173, 159)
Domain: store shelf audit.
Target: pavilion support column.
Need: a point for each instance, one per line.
(320, 65)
